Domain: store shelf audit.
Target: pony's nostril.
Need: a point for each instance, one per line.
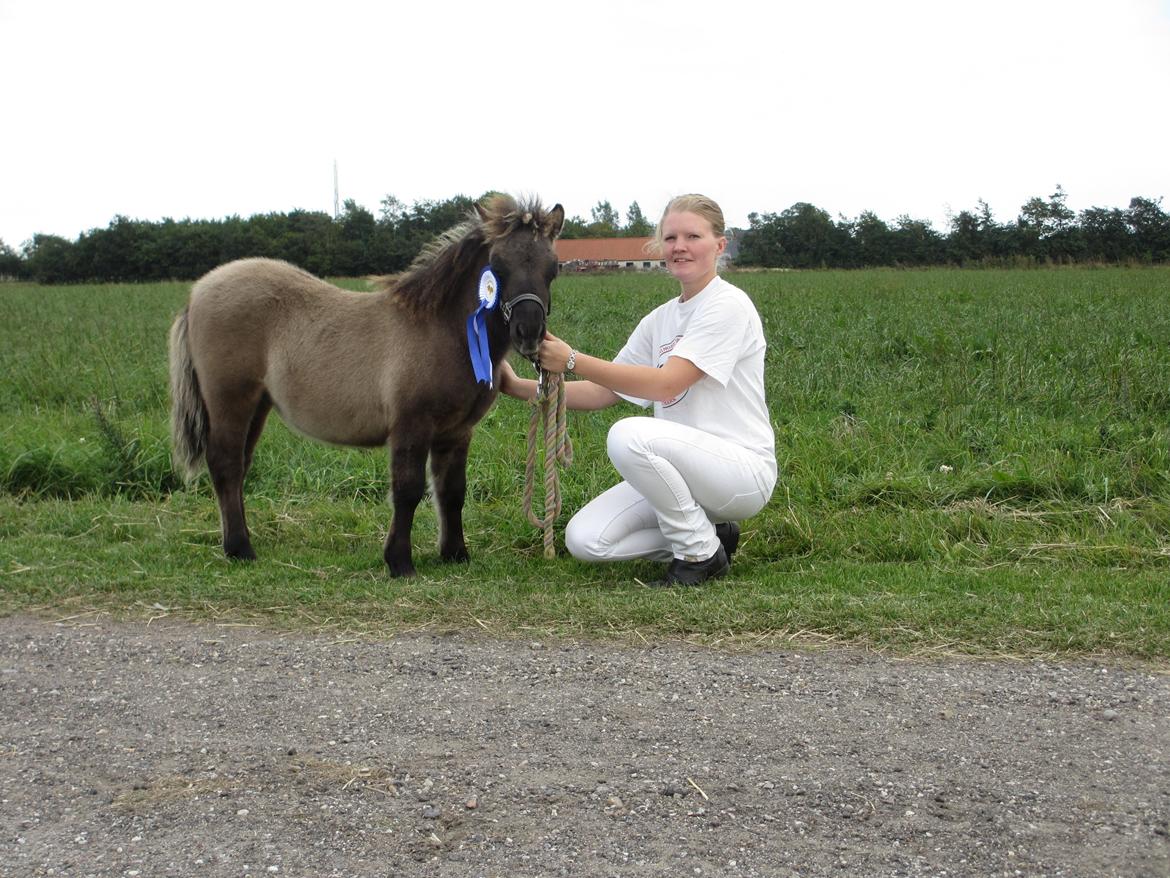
(527, 338)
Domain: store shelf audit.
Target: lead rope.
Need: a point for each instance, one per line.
(549, 408)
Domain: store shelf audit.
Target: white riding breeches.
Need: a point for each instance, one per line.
(679, 483)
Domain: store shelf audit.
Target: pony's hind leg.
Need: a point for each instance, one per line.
(408, 483)
(449, 471)
(259, 416)
(235, 427)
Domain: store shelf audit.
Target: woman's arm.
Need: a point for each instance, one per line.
(643, 382)
(579, 395)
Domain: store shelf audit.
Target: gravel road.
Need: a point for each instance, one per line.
(181, 749)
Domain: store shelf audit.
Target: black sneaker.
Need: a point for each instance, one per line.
(695, 572)
(728, 533)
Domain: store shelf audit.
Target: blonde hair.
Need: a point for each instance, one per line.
(700, 205)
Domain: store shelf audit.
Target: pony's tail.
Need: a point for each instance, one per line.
(188, 413)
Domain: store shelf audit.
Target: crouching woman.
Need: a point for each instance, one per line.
(706, 460)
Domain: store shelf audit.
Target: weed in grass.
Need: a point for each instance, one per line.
(132, 468)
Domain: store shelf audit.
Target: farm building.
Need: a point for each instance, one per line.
(595, 254)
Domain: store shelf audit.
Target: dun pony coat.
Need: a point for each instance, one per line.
(391, 367)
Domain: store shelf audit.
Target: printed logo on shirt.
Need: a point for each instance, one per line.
(663, 351)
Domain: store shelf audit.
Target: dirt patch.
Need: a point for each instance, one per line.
(198, 750)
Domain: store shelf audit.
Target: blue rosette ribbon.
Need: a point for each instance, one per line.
(477, 340)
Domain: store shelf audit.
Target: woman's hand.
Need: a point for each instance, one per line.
(579, 395)
(553, 353)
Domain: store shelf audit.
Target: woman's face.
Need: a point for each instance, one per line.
(690, 248)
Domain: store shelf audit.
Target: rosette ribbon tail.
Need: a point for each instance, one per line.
(477, 344)
(477, 336)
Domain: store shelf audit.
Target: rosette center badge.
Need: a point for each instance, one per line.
(488, 286)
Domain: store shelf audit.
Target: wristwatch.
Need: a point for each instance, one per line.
(571, 362)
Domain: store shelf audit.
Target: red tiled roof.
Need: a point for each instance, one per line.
(605, 250)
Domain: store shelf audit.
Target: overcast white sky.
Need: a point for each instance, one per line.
(156, 109)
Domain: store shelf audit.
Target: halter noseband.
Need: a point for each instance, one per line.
(506, 307)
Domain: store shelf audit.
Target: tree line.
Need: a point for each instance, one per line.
(1046, 231)
(357, 243)
(353, 244)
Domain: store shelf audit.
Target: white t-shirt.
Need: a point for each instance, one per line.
(719, 331)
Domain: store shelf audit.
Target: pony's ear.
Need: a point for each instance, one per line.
(553, 222)
(482, 210)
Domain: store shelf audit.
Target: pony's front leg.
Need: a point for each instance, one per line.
(449, 470)
(408, 483)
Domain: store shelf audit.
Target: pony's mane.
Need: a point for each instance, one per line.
(504, 215)
(437, 277)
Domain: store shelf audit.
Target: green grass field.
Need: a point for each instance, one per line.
(974, 461)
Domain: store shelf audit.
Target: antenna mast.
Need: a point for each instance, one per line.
(336, 202)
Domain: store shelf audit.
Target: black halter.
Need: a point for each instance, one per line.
(506, 307)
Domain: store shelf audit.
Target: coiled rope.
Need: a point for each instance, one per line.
(548, 409)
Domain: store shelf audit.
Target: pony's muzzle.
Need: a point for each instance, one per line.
(526, 323)
(527, 335)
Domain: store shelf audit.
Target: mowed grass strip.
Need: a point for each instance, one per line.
(971, 461)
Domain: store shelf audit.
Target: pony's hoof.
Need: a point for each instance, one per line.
(402, 572)
(240, 553)
(456, 556)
